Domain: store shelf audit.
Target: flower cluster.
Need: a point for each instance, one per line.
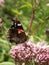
(42, 56)
(2, 2)
(22, 52)
(28, 51)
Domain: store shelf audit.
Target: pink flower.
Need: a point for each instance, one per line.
(28, 51)
(2, 2)
(42, 44)
(42, 56)
(22, 52)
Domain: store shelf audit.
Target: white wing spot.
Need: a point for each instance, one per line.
(19, 24)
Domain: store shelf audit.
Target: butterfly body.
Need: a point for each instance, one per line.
(16, 33)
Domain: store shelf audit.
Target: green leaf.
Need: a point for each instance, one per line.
(7, 63)
(23, 6)
(1, 57)
(38, 38)
(3, 41)
(29, 4)
(41, 20)
(16, 11)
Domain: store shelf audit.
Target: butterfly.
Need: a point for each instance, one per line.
(16, 32)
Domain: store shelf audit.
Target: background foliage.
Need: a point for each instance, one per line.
(23, 10)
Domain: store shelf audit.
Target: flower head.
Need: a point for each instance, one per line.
(28, 51)
(42, 57)
(22, 52)
(2, 2)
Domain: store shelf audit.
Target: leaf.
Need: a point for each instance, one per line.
(1, 57)
(3, 41)
(27, 4)
(41, 20)
(7, 63)
(23, 6)
(16, 11)
(38, 38)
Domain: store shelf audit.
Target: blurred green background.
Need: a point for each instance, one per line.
(23, 10)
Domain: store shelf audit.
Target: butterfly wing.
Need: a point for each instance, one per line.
(16, 33)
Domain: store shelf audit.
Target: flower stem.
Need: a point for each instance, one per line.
(20, 63)
(32, 16)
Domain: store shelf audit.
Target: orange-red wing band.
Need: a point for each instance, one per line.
(20, 31)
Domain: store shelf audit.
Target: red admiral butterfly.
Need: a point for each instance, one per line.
(16, 32)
